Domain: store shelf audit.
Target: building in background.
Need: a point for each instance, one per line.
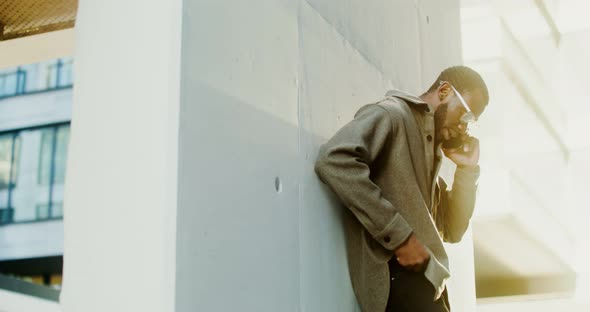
(529, 248)
(35, 112)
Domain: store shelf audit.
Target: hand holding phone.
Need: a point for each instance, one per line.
(462, 151)
(453, 143)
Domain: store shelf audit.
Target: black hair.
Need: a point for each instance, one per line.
(463, 79)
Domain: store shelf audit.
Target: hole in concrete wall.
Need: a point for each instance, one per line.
(278, 185)
(427, 19)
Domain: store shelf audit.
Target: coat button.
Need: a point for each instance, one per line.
(429, 138)
(386, 239)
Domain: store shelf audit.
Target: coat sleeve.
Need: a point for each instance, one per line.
(455, 206)
(344, 164)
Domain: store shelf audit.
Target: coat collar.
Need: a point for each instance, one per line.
(410, 98)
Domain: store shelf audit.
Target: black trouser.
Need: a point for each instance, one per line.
(412, 292)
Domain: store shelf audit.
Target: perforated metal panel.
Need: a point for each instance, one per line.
(19, 18)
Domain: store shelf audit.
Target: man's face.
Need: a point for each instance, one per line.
(448, 114)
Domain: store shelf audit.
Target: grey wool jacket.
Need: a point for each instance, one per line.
(383, 166)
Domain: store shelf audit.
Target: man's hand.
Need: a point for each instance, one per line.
(466, 155)
(412, 255)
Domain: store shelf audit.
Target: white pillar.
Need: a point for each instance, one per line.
(120, 201)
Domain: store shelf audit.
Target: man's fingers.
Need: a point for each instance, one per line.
(412, 255)
(402, 261)
(416, 262)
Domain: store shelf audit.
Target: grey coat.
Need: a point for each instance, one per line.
(383, 166)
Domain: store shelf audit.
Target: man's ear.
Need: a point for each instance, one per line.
(443, 90)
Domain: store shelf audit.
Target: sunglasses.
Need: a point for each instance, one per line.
(469, 117)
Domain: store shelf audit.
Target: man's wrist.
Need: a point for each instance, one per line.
(467, 175)
(404, 242)
(468, 166)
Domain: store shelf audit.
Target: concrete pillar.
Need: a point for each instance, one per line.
(121, 194)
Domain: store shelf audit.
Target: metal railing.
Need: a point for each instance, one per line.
(16, 83)
(13, 83)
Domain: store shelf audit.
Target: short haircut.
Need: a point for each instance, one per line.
(463, 79)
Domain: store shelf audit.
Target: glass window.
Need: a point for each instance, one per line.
(5, 160)
(57, 210)
(66, 74)
(45, 155)
(8, 83)
(42, 211)
(61, 154)
(25, 196)
(29, 77)
(6, 215)
(9, 156)
(41, 171)
(51, 78)
(15, 160)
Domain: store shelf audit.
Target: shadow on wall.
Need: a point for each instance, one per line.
(283, 237)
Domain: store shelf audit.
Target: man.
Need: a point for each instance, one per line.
(383, 165)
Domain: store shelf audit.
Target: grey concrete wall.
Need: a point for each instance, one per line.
(263, 85)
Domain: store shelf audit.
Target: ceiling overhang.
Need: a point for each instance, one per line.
(21, 18)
